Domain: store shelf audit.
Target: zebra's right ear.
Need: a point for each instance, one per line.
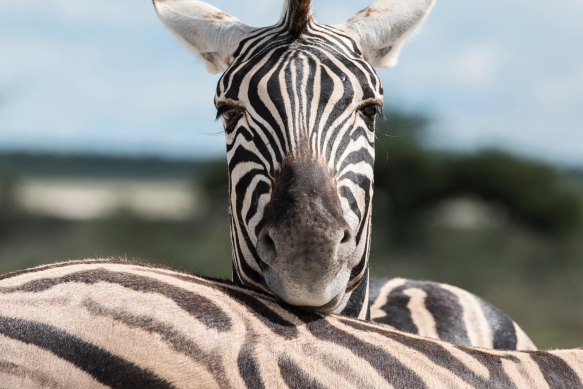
(213, 34)
(381, 29)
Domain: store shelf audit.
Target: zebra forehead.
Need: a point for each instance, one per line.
(304, 57)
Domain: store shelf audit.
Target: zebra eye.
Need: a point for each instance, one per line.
(370, 111)
(230, 114)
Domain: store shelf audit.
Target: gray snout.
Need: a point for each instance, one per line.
(305, 245)
(311, 245)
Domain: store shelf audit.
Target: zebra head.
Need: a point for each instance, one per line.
(298, 102)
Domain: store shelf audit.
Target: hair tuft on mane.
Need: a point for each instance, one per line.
(298, 15)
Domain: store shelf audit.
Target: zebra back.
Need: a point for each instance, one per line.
(108, 323)
(446, 312)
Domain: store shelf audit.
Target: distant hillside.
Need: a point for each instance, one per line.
(73, 166)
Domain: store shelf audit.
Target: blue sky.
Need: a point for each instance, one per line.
(106, 77)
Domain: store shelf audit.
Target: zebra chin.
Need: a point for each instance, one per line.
(305, 246)
(327, 296)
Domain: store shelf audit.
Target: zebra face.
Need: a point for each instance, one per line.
(298, 101)
(299, 116)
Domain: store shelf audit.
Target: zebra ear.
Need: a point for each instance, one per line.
(381, 29)
(213, 34)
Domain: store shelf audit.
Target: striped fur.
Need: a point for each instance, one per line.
(104, 323)
(298, 101)
(302, 135)
(445, 312)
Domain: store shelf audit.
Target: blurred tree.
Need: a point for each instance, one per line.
(214, 180)
(532, 192)
(412, 179)
(9, 207)
(8, 191)
(213, 183)
(406, 177)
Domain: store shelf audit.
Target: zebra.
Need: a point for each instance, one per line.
(113, 323)
(298, 101)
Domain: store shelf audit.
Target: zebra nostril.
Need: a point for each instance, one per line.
(347, 236)
(266, 247)
(269, 242)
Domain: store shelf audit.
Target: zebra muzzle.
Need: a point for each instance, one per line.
(305, 244)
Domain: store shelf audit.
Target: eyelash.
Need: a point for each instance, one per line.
(365, 110)
(230, 114)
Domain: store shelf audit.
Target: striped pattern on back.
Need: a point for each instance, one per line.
(445, 312)
(107, 323)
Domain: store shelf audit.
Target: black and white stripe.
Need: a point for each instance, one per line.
(445, 312)
(300, 104)
(106, 323)
(298, 101)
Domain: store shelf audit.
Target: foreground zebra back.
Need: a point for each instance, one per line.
(93, 324)
(445, 312)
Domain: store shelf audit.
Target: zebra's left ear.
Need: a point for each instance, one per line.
(213, 34)
(381, 29)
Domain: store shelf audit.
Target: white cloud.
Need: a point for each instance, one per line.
(477, 69)
(70, 89)
(477, 66)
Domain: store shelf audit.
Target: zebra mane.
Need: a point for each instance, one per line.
(297, 15)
